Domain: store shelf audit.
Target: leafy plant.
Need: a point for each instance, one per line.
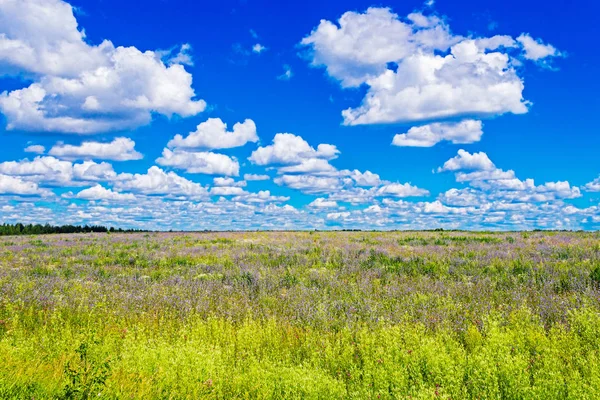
(86, 374)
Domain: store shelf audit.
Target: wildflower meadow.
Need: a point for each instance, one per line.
(300, 315)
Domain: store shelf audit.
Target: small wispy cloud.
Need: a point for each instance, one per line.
(177, 55)
(258, 48)
(287, 75)
(184, 56)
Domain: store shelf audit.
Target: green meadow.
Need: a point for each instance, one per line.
(300, 315)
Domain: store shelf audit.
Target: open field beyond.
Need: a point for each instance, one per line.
(301, 315)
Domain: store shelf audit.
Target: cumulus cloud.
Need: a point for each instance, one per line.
(310, 165)
(401, 190)
(495, 183)
(593, 186)
(158, 182)
(485, 175)
(256, 177)
(366, 178)
(220, 181)
(293, 154)
(213, 134)
(354, 195)
(320, 202)
(341, 216)
(526, 191)
(120, 149)
(99, 192)
(35, 148)
(309, 183)
(341, 187)
(227, 191)
(83, 88)
(200, 162)
(463, 132)
(415, 68)
(262, 196)
(304, 168)
(50, 171)
(467, 161)
(436, 207)
(279, 210)
(17, 186)
(535, 49)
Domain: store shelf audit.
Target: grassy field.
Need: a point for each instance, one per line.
(306, 315)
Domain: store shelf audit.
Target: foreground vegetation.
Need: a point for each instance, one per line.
(301, 315)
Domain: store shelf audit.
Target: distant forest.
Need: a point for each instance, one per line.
(38, 229)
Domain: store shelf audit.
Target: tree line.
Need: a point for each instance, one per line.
(38, 229)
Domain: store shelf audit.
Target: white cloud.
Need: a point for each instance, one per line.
(366, 178)
(374, 209)
(341, 187)
(284, 209)
(200, 162)
(78, 87)
(213, 134)
(227, 191)
(35, 148)
(516, 190)
(310, 165)
(462, 197)
(593, 186)
(295, 154)
(307, 169)
(416, 69)
(561, 189)
(220, 181)
(50, 171)
(17, 186)
(120, 149)
(535, 49)
(354, 195)
(467, 161)
(183, 56)
(287, 73)
(437, 207)
(467, 131)
(98, 192)
(256, 177)
(323, 203)
(257, 211)
(309, 183)
(401, 190)
(158, 182)
(262, 196)
(258, 48)
(485, 175)
(360, 47)
(42, 37)
(339, 215)
(497, 184)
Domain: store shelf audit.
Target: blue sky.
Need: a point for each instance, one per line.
(398, 115)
